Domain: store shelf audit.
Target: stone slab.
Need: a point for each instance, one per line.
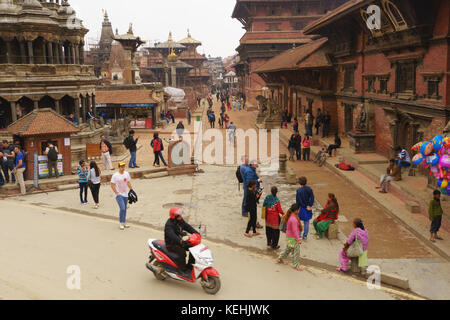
(412, 207)
(67, 187)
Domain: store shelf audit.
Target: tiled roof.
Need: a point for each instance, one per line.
(305, 56)
(124, 97)
(42, 122)
(340, 11)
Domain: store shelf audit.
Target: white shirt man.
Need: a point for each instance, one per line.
(121, 185)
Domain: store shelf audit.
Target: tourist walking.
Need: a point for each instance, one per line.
(83, 173)
(234, 105)
(393, 173)
(273, 209)
(309, 121)
(293, 229)
(319, 121)
(52, 156)
(359, 233)
(292, 147)
(121, 186)
(295, 125)
(212, 119)
(337, 144)
(131, 144)
(298, 145)
(158, 148)
(251, 206)
(8, 161)
(94, 182)
(435, 213)
(242, 169)
(306, 144)
(189, 116)
(327, 217)
(232, 132)
(305, 199)
(19, 170)
(106, 149)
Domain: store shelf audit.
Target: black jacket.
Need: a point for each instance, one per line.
(251, 202)
(108, 144)
(173, 231)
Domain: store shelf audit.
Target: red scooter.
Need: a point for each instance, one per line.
(161, 263)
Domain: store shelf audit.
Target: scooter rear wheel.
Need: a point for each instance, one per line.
(212, 285)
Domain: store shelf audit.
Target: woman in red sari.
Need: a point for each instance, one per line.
(327, 217)
(274, 212)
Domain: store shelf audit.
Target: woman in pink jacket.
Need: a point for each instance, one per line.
(294, 227)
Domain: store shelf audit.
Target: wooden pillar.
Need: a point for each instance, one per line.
(58, 106)
(50, 59)
(30, 52)
(13, 111)
(56, 57)
(77, 54)
(81, 54)
(72, 54)
(8, 52)
(36, 104)
(77, 110)
(94, 107)
(23, 55)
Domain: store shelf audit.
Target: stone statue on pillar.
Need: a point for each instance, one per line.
(362, 121)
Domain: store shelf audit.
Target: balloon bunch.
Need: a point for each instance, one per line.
(435, 154)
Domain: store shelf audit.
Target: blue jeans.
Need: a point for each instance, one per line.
(83, 190)
(403, 164)
(2, 181)
(132, 163)
(305, 229)
(244, 211)
(122, 202)
(158, 155)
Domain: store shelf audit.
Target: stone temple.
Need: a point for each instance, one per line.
(42, 60)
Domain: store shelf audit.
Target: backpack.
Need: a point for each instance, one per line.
(126, 143)
(157, 145)
(239, 175)
(52, 154)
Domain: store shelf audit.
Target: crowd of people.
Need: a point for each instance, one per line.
(13, 164)
(296, 221)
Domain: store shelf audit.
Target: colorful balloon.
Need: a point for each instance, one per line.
(418, 159)
(444, 161)
(433, 160)
(448, 190)
(427, 148)
(438, 141)
(444, 184)
(417, 146)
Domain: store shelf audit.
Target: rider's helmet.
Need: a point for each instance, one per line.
(175, 212)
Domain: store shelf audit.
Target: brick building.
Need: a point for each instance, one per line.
(389, 86)
(272, 26)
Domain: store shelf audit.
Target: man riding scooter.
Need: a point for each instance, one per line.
(173, 236)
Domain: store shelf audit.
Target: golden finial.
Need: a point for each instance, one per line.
(170, 36)
(172, 54)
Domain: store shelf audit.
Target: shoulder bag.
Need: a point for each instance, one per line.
(356, 249)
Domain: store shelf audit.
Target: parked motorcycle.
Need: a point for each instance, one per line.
(161, 263)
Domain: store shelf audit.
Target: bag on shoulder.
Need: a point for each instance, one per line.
(263, 213)
(52, 154)
(126, 143)
(356, 249)
(283, 226)
(239, 175)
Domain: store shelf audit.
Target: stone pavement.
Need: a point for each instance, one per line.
(212, 204)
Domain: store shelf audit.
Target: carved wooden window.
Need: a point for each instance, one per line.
(349, 77)
(433, 87)
(371, 84)
(383, 85)
(394, 14)
(406, 77)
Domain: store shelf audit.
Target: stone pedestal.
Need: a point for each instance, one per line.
(282, 160)
(332, 232)
(291, 178)
(362, 142)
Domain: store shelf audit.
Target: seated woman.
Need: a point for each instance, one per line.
(328, 216)
(337, 144)
(274, 212)
(359, 233)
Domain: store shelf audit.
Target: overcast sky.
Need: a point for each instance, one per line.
(208, 20)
